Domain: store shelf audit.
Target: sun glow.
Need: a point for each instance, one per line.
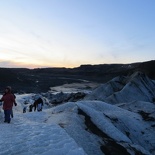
(45, 34)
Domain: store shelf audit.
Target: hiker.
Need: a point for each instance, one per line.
(30, 107)
(8, 101)
(24, 109)
(38, 104)
(14, 104)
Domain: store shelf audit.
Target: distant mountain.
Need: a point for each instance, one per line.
(41, 79)
(125, 89)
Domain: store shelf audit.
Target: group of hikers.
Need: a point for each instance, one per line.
(38, 104)
(9, 99)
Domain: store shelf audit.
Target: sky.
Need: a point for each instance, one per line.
(68, 33)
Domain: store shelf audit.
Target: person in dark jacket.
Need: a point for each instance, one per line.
(38, 104)
(15, 104)
(8, 101)
(24, 109)
(30, 108)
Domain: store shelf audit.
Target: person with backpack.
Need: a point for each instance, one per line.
(8, 100)
(15, 104)
(38, 104)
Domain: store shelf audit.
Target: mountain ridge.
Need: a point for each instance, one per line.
(41, 79)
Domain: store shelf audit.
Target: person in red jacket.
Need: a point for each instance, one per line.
(8, 101)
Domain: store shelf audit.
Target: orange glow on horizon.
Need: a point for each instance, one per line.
(12, 64)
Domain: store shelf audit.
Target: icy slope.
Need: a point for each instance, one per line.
(30, 134)
(39, 139)
(121, 126)
(101, 128)
(80, 128)
(137, 87)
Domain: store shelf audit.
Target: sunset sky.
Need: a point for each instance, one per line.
(68, 33)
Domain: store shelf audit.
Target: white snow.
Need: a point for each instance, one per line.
(117, 122)
(85, 86)
(137, 87)
(63, 130)
(30, 134)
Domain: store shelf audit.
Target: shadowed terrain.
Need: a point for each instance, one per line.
(41, 79)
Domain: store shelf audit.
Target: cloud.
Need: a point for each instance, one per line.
(12, 64)
(5, 63)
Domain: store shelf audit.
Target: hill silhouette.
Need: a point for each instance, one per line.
(41, 79)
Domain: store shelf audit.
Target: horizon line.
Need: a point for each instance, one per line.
(46, 67)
